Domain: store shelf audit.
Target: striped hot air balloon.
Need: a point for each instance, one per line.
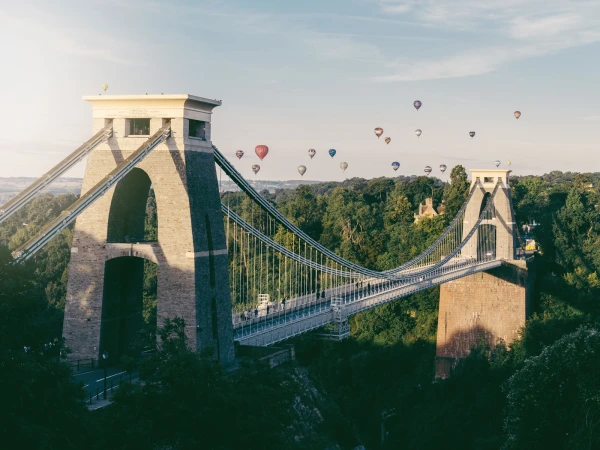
(239, 154)
(312, 152)
(255, 168)
(378, 132)
(395, 165)
(427, 170)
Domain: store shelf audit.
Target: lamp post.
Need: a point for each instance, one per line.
(105, 358)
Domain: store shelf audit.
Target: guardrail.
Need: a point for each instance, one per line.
(88, 363)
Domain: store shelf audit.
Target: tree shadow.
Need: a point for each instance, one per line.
(459, 346)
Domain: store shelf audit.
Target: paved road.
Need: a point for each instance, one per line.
(93, 380)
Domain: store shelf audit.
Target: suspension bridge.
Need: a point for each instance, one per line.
(234, 267)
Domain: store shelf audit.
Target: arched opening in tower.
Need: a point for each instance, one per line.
(486, 245)
(128, 307)
(486, 235)
(484, 201)
(133, 215)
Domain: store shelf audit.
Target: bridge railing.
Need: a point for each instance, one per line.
(88, 363)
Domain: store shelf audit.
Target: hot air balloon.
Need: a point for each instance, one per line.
(261, 151)
(343, 166)
(418, 132)
(301, 170)
(417, 104)
(312, 152)
(517, 114)
(509, 162)
(388, 140)
(332, 152)
(255, 168)
(443, 167)
(105, 87)
(239, 154)
(427, 170)
(497, 163)
(378, 132)
(395, 165)
(472, 134)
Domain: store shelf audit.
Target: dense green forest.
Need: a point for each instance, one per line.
(540, 393)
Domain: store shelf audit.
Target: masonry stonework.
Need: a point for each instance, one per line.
(191, 255)
(484, 307)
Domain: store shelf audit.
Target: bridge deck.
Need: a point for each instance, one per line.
(285, 324)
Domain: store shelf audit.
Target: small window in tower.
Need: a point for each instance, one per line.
(139, 127)
(487, 180)
(197, 129)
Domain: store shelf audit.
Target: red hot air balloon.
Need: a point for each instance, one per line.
(261, 151)
(239, 154)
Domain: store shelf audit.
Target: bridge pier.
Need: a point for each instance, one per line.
(487, 306)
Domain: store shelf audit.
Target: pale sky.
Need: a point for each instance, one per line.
(316, 74)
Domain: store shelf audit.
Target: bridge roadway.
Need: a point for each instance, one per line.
(292, 321)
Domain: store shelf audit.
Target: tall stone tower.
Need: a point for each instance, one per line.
(103, 312)
(487, 306)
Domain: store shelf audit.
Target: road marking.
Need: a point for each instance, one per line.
(115, 375)
(83, 373)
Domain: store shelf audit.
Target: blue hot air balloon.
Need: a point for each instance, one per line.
(332, 152)
(395, 165)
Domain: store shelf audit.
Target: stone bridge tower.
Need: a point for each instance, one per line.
(487, 306)
(103, 311)
(504, 224)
